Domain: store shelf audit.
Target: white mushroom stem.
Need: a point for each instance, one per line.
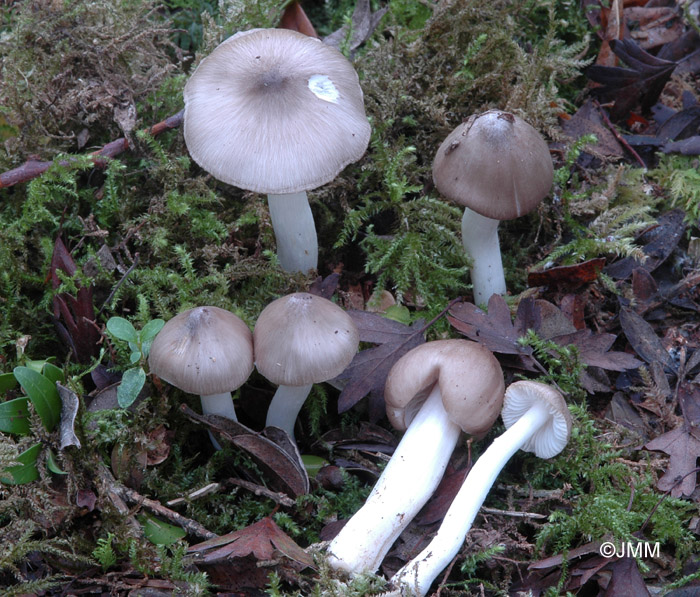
(408, 481)
(295, 231)
(419, 573)
(480, 239)
(285, 406)
(218, 404)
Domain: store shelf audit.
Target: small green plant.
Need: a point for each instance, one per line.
(104, 552)
(139, 343)
(680, 174)
(562, 364)
(38, 380)
(422, 255)
(469, 568)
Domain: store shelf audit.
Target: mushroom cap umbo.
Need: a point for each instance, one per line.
(302, 339)
(551, 438)
(470, 380)
(205, 351)
(275, 111)
(495, 164)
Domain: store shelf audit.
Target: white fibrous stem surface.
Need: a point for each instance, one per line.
(285, 406)
(218, 404)
(418, 574)
(480, 239)
(408, 481)
(295, 231)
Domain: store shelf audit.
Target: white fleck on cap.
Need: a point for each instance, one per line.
(275, 111)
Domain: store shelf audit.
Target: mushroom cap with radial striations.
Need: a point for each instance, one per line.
(302, 339)
(275, 111)
(470, 380)
(552, 437)
(205, 351)
(495, 164)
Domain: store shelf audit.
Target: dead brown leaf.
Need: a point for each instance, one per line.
(684, 450)
(264, 540)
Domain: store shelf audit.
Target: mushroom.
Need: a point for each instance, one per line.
(206, 351)
(537, 420)
(499, 168)
(277, 112)
(301, 339)
(434, 392)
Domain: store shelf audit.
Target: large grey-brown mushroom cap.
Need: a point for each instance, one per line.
(275, 111)
(302, 339)
(470, 380)
(205, 351)
(495, 164)
(550, 439)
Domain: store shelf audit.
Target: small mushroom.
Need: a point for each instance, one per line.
(277, 112)
(206, 351)
(301, 339)
(498, 167)
(434, 392)
(537, 420)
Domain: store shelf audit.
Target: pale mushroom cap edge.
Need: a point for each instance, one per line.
(470, 380)
(275, 111)
(205, 351)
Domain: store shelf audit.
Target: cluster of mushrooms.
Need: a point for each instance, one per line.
(277, 112)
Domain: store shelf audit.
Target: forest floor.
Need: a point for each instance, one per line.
(109, 483)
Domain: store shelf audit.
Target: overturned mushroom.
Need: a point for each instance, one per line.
(434, 392)
(537, 420)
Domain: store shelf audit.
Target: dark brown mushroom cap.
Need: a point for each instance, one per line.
(302, 338)
(275, 111)
(495, 164)
(205, 351)
(470, 380)
(551, 438)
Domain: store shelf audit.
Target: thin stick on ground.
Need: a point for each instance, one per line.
(33, 168)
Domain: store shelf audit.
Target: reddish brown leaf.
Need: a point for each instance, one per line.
(364, 22)
(494, 329)
(588, 120)
(281, 463)
(573, 308)
(643, 339)
(659, 242)
(684, 450)
(325, 287)
(626, 579)
(75, 316)
(295, 18)
(567, 275)
(653, 26)
(639, 85)
(594, 350)
(264, 540)
(368, 370)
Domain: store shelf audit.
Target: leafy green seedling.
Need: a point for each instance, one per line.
(140, 344)
(24, 472)
(41, 391)
(14, 416)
